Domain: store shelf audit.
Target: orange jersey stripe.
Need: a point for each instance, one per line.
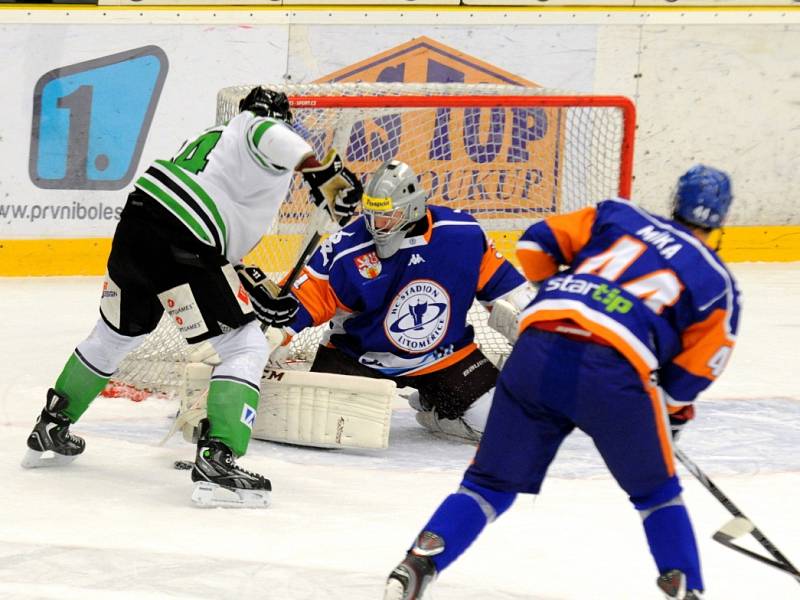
(572, 231)
(427, 235)
(491, 261)
(664, 434)
(445, 362)
(702, 342)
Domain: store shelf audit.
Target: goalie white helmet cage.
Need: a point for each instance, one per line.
(393, 201)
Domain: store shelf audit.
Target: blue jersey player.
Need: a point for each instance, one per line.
(396, 286)
(635, 316)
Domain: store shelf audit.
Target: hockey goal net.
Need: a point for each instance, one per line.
(507, 155)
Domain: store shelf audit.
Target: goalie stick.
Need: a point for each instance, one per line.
(740, 525)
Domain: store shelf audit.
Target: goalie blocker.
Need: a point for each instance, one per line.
(333, 186)
(314, 409)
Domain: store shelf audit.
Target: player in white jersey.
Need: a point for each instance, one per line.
(178, 247)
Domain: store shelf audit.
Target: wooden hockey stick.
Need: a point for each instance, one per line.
(740, 525)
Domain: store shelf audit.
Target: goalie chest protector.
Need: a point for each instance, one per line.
(403, 314)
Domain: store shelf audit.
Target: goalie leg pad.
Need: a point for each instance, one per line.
(324, 410)
(476, 415)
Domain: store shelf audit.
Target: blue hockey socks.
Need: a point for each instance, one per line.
(460, 519)
(672, 542)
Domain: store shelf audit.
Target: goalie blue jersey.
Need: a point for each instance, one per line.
(641, 283)
(406, 314)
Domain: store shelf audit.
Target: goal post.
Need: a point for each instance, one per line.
(507, 155)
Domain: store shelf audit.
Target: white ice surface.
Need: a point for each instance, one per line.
(117, 523)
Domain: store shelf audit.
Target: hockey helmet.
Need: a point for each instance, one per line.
(267, 103)
(392, 202)
(702, 197)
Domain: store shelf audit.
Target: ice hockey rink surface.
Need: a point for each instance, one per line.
(118, 523)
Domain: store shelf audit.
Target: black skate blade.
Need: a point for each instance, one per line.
(211, 495)
(34, 459)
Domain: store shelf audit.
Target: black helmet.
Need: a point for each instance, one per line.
(267, 103)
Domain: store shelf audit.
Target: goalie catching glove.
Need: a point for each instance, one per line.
(271, 308)
(334, 186)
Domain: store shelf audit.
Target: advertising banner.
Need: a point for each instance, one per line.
(88, 106)
(496, 143)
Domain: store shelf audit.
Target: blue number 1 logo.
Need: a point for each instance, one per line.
(90, 120)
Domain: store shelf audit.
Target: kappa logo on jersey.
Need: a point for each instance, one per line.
(415, 259)
(418, 316)
(248, 416)
(368, 265)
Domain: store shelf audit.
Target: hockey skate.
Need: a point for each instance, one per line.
(673, 584)
(51, 444)
(219, 481)
(409, 579)
(449, 428)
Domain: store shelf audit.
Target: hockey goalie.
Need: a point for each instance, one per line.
(396, 285)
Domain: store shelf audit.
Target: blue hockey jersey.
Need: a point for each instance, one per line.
(642, 283)
(406, 314)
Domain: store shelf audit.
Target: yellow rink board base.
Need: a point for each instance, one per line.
(22, 258)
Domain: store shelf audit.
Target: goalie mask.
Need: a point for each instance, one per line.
(702, 197)
(267, 103)
(393, 201)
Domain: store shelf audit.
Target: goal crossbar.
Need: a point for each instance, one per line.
(623, 103)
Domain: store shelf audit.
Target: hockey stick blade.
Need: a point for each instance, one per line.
(727, 541)
(740, 525)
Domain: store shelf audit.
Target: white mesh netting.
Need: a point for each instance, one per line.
(507, 155)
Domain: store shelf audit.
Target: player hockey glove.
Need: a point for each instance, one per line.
(678, 420)
(271, 308)
(334, 186)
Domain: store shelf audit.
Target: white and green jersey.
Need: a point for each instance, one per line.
(227, 184)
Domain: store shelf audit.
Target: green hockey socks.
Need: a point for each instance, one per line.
(232, 413)
(80, 384)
